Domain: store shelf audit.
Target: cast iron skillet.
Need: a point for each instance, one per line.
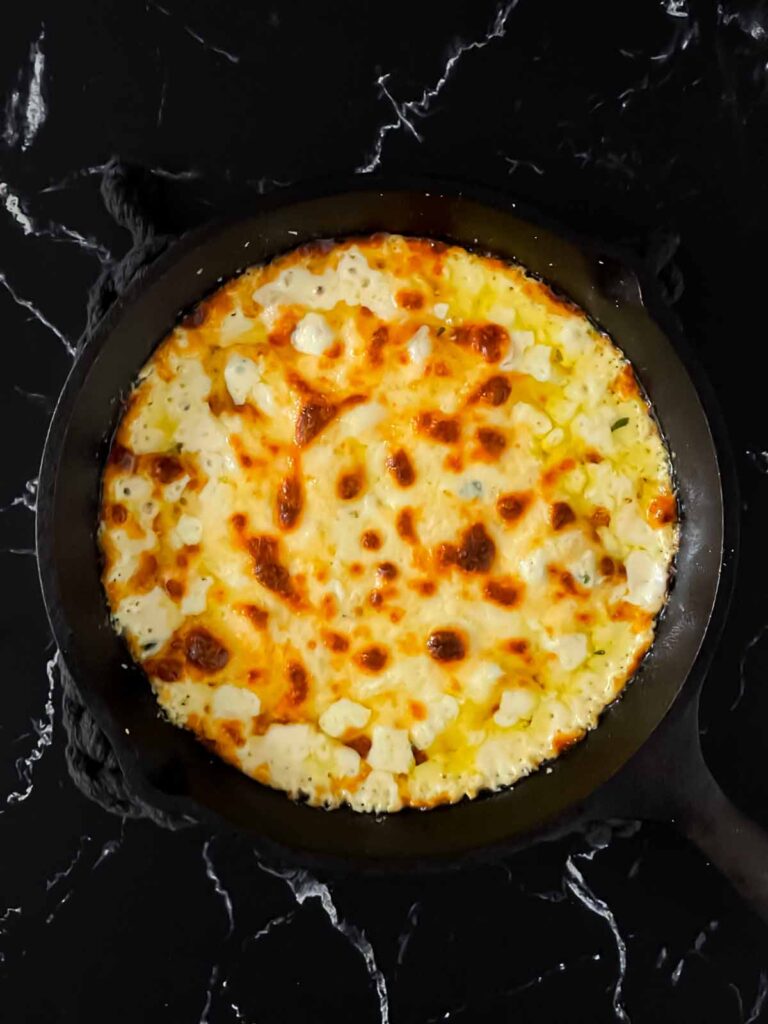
(168, 768)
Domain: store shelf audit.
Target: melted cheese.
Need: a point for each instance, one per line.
(387, 524)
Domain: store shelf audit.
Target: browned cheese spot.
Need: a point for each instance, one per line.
(445, 429)
(386, 570)
(410, 299)
(507, 593)
(313, 417)
(349, 485)
(204, 650)
(373, 658)
(607, 566)
(488, 340)
(174, 589)
(167, 669)
(405, 525)
(335, 642)
(662, 510)
(298, 682)
(379, 339)
(258, 616)
(370, 540)
(561, 515)
(446, 645)
(362, 744)
(477, 550)
(401, 468)
(195, 317)
(494, 391)
(512, 507)
(267, 568)
(491, 441)
(289, 502)
(122, 457)
(118, 514)
(600, 517)
(166, 468)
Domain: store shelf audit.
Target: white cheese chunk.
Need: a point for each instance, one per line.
(570, 648)
(234, 702)
(535, 361)
(151, 618)
(390, 750)
(420, 345)
(536, 421)
(353, 281)
(174, 490)
(240, 376)
(646, 580)
(189, 529)
(515, 704)
(376, 793)
(343, 714)
(312, 335)
(481, 678)
(440, 309)
(196, 596)
(362, 418)
(440, 713)
(519, 343)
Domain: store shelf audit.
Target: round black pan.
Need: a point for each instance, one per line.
(667, 779)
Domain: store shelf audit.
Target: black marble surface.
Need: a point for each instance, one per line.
(636, 122)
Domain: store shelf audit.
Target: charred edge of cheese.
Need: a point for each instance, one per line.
(387, 523)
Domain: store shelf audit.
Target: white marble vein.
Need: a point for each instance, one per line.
(227, 54)
(4, 921)
(407, 110)
(212, 979)
(43, 729)
(745, 21)
(110, 848)
(275, 922)
(24, 117)
(36, 313)
(36, 110)
(27, 499)
(759, 460)
(743, 659)
(219, 889)
(13, 207)
(66, 871)
(577, 885)
(515, 164)
(11, 126)
(305, 887)
(56, 232)
(755, 1013)
(676, 8)
(404, 938)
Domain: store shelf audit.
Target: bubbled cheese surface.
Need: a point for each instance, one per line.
(387, 523)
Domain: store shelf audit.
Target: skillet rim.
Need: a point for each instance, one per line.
(496, 203)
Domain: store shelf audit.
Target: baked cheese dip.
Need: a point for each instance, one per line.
(387, 523)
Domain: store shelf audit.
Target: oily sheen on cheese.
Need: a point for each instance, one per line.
(387, 523)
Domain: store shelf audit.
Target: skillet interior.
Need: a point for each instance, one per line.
(168, 766)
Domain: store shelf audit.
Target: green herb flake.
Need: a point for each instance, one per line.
(599, 652)
(620, 423)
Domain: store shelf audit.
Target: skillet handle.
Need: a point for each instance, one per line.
(729, 839)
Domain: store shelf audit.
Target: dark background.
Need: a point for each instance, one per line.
(642, 123)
